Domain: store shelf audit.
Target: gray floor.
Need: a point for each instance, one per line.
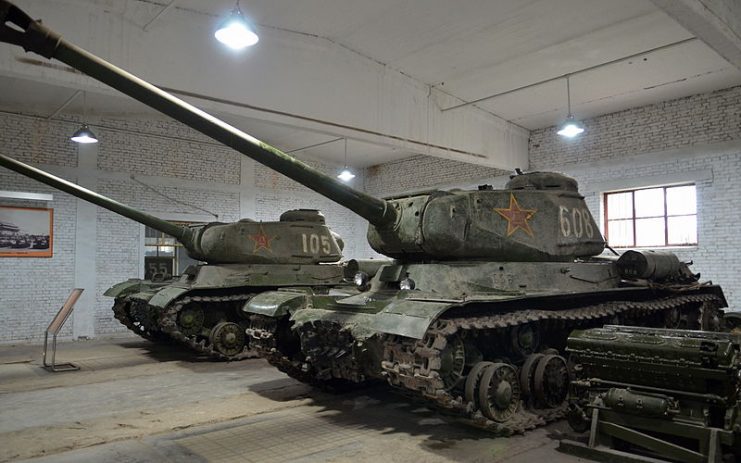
(135, 402)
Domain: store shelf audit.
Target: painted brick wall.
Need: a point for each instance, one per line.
(36, 140)
(420, 172)
(165, 149)
(700, 119)
(632, 145)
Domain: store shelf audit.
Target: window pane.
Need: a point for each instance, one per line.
(649, 203)
(167, 251)
(650, 232)
(681, 200)
(683, 230)
(620, 232)
(619, 206)
(150, 250)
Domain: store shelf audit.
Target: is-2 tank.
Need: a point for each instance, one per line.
(474, 313)
(202, 307)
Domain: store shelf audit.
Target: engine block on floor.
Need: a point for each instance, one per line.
(671, 394)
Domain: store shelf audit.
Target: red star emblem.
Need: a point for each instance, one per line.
(517, 217)
(262, 241)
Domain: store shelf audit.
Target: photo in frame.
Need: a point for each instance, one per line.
(26, 231)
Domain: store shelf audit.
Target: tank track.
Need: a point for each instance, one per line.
(168, 323)
(264, 340)
(121, 313)
(414, 365)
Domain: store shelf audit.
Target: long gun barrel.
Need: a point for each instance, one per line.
(180, 233)
(17, 28)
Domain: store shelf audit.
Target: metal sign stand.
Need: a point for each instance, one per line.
(55, 327)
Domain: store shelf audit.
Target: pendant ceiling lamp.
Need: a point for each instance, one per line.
(235, 32)
(570, 127)
(84, 135)
(346, 175)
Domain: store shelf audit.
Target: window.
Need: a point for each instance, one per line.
(164, 255)
(651, 217)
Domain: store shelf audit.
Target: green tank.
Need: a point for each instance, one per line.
(474, 313)
(202, 307)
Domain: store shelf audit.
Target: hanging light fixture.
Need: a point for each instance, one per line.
(84, 135)
(346, 175)
(570, 127)
(235, 32)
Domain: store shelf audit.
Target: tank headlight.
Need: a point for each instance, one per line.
(407, 284)
(361, 280)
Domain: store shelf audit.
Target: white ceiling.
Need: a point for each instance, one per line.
(469, 49)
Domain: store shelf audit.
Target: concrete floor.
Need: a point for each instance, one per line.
(133, 401)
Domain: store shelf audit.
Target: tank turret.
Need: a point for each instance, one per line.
(516, 223)
(299, 237)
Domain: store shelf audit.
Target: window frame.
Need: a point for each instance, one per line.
(633, 218)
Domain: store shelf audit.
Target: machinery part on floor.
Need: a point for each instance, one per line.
(647, 393)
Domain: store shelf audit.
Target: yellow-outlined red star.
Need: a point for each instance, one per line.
(517, 217)
(262, 241)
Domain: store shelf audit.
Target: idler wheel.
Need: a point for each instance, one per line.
(228, 339)
(472, 382)
(452, 362)
(551, 380)
(527, 374)
(499, 392)
(525, 339)
(190, 320)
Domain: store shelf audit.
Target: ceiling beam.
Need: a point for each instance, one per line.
(715, 22)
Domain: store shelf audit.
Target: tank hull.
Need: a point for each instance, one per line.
(432, 341)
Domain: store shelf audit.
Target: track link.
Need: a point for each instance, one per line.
(121, 309)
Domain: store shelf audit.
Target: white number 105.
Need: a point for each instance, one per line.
(312, 241)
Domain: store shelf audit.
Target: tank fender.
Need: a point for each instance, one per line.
(165, 296)
(410, 318)
(275, 303)
(124, 288)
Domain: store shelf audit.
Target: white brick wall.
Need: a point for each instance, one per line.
(700, 119)
(421, 172)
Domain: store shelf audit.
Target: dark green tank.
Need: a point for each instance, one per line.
(474, 313)
(202, 307)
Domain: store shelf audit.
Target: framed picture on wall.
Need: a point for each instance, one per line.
(26, 231)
